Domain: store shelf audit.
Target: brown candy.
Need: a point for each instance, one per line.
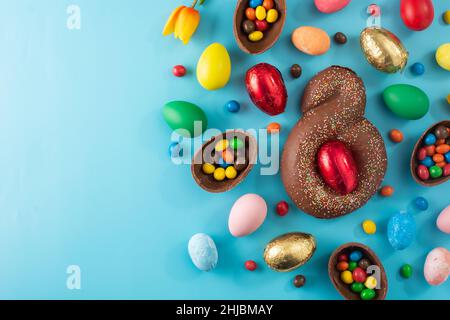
(364, 263)
(441, 132)
(296, 71)
(340, 38)
(299, 281)
(248, 26)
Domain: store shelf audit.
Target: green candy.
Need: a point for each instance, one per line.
(406, 101)
(435, 172)
(367, 294)
(352, 265)
(357, 287)
(181, 117)
(406, 271)
(236, 143)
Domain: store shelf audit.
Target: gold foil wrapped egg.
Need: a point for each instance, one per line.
(383, 49)
(289, 251)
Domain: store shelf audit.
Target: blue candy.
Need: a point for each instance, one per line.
(222, 163)
(355, 256)
(175, 150)
(203, 252)
(430, 139)
(401, 230)
(418, 68)
(421, 203)
(447, 157)
(233, 106)
(427, 162)
(255, 3)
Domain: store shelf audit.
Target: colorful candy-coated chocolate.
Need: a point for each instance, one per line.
(359, 275)
(371, 282)
(441, 164)
(342, 257)
(255, 36)
(440, 141)
(443, 56)
(438, 157)
(261, 25)
(447, 157)
(228, 156)
(250, 14)
(299, 281)
(296, 71)
(230, 172)
(250, 265)
(430, 150)
(367, 294)
(357, 287)
(219, 174)
(208, 168)
(273, 127)
(179, 71)
(352, 265)
(248, 26)
(421, 203)
(221, 145)
(406, 271)
(355, 255)
(236, 143)
(282, 208)
(342, 266)
(175, 150)
(222, 163)
(272, 16)
(340, 38)
(261, 13)
(446, 17)
(233, 106)
(396, 135)
(387, 191)
(427, 162)
(346, 277)
(435, 172)
(255, 3)
(421, 154)
(446, 170)
(369, 227)
(443, 148)
(268, 4)
(418, 68)
(422, 172)
(430, 139)
(441, 132)
(364, 263)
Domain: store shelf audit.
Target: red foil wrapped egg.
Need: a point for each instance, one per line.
(337, 167)
(265, 86)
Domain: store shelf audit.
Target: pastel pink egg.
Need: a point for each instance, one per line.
(247, 215)
(311, 40)
(437, 266)
(443, 220)
(330, 6)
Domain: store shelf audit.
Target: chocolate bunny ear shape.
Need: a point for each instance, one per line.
(322, 183)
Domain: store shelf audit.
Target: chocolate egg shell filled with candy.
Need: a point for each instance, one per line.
(421, 173)
(373, 262)
(270, 36)
(333, 107)
(224, 161)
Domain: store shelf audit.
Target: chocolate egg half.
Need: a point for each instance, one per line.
(289, 251)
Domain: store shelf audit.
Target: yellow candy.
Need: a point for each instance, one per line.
(221, 145)
(260, 13)
(447, 17)
(272, 16)
(448, 99)
(347, 277)
(371, 282)
(208, 168)
(255, 36)
(231, 172)
(219, 174)
(369, 227)
(443, 56)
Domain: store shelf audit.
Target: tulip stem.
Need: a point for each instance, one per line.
(194, 4)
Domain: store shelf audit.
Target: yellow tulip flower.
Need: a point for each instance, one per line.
(183, 22)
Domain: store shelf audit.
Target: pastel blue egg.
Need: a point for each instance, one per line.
(418, 68)
(255, 3)
(429, 139)
(447, 157)
(427, 162)
(401, 230)
(203, 251)
(175, 150)
(233, 106)
(355, 256)
(421, 203)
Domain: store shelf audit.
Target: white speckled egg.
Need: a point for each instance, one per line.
(203, 251)
(437, 266)
(443, 220)
(247, 215)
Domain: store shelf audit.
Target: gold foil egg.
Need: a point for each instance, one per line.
(383, 49)
(289, 251)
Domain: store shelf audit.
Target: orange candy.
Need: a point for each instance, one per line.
(228, 156)
(441, 164)
(268, 4)
(438, 157)
(440, 141)
(387, 191)
(430, 150)
(274, 127)
(396, 135)
(250, 13)
(443, 148)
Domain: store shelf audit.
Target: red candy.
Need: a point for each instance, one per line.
(421, 154)
(250, 265)
(423, 172)
(179, 71)
(359, 275)
(342, 257)
(262, 25)
(446, 170)
(342, 266)
(282, 208)
(337, 167)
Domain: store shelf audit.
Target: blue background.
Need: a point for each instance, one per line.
(85, 178)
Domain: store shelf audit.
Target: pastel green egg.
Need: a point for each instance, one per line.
(214, 67)
(182, 117)
(406, 101)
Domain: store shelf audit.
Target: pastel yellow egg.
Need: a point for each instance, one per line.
(214, 67)
(208, 168)
(369, 227)
(219, 174)
(443, 56)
